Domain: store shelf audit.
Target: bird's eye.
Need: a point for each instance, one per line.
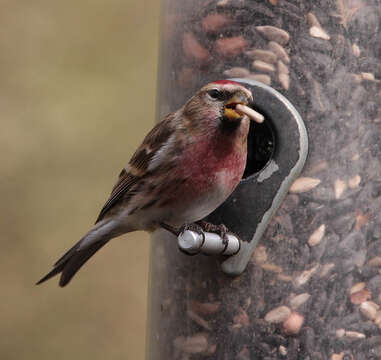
(216, 94)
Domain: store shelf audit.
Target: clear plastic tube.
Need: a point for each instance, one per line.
(313, 287)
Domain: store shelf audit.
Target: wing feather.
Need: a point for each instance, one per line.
(139, 165)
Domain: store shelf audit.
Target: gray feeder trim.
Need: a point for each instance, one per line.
(248, 211)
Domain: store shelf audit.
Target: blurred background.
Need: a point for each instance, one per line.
(77, 96)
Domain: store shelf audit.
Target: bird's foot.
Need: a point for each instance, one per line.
(220, 230)
(170, 228)
(192, 227)
(177, 231)
(200, 227)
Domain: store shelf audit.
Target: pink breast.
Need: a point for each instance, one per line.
(212, 164)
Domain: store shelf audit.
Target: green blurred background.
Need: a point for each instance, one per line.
(77, 95)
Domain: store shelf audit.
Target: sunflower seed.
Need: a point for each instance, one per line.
(263, 66)
(319, 33)
(376, 261)
(355, 335)
(263, 78)
(237, 72)
(304, 184)
(230, 46)
(357, 287)
(299, 300)
(282, 68)
(356, 50)
(213, 23)
(284, 80)
(278, 315)
(305, 276)
(316, 236)
(195, 344)
(194, 50)
(354, 182)
(279, 51)
(263, 55)
(273, 33)
(340, 187)
(369, 309)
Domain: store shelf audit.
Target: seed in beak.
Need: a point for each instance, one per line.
(252, 114)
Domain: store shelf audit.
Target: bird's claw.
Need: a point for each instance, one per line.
(220, 230)
(200, 227)
(192, 227)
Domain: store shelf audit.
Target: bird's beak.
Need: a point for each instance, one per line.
(236, 107)
(230, 106)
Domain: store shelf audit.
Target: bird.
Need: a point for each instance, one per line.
(186, 166)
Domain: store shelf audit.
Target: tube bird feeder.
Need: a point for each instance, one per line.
(312, 287)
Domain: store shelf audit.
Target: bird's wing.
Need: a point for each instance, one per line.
(145, 160)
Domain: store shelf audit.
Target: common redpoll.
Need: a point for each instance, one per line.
(187, 166)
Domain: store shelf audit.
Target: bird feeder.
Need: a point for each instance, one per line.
(305, 282)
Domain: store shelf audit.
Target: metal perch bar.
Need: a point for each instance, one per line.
(207, 243)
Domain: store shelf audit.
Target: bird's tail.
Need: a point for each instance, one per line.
(83, 250)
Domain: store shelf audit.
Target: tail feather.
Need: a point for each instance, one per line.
(77, 261)
(83, 250)
(60, 263)
(69, 265)
(53, 272)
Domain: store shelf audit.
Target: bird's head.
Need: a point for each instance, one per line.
(220, 103)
